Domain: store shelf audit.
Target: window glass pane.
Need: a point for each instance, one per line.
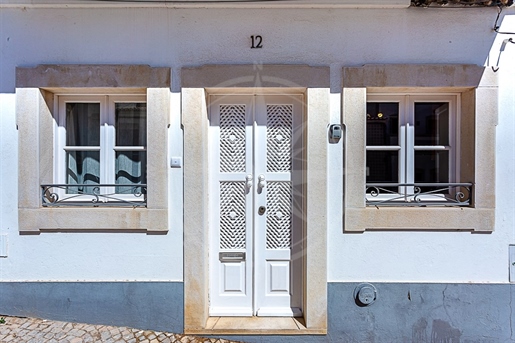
(82, 167)
(432, 166)
(382, 123)
(131, 124)
(432, 123)
(131, 168)
(82, 124)
(382, 167)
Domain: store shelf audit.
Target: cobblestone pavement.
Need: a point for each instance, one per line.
(33, 330)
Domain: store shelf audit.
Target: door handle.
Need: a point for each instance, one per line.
(249, 179)
(261, 181)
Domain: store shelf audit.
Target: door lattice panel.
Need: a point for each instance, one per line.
(279, 137)
(232, 215)
(232, 138)
(279, 215)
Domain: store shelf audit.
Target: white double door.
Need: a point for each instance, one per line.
(256, 205)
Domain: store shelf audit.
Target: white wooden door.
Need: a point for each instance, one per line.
(256, 218)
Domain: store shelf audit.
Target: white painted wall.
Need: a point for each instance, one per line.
(192, 37)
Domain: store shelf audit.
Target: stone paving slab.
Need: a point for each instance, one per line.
(34, 330)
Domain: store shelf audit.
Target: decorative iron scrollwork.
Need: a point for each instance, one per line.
(96, 195)
(420, 194)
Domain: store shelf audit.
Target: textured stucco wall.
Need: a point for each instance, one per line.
(402, 312)
(142, 305)
(192, 37)
(412, 312)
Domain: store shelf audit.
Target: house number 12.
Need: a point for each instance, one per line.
(257, 42)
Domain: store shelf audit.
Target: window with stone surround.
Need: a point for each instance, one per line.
(83, 141)
(460, 155)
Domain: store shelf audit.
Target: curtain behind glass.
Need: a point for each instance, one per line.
(131, 141)
(82, 130)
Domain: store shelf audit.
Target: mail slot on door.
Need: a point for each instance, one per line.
(232, 256)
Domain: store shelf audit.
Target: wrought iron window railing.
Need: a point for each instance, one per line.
(418, 194)
(96, 195)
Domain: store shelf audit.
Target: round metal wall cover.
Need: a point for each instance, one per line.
(365, 294)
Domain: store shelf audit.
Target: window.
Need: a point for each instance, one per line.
(466, 200)
(134, 100)
(411, 150)
(101, 148)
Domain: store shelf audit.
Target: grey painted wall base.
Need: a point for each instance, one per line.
(439, 313)
(423, 313)
(144, 305)
(401, 313)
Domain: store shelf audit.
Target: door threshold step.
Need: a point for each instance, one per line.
(255, 323)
